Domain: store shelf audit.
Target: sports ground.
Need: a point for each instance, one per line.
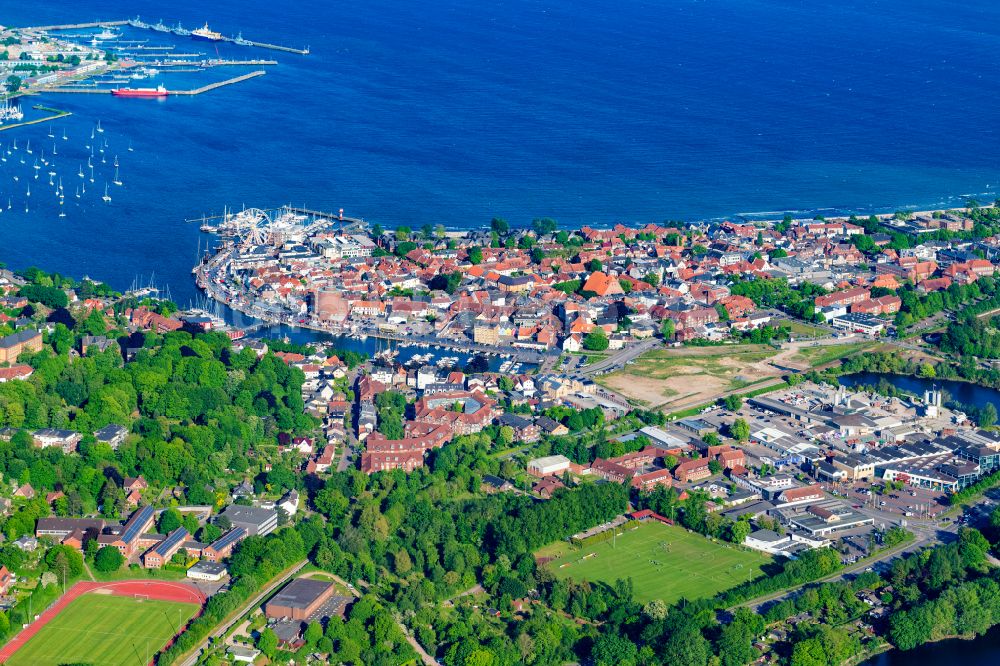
(115, 624)
(664, 562)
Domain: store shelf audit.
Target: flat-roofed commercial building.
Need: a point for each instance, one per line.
(299, 599)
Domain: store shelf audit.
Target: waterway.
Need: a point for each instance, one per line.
(983, 651)
(964, 392)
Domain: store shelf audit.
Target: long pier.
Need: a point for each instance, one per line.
(139, 24)
(78, 26)
(220, 84)
(196, 91)
(273, 47)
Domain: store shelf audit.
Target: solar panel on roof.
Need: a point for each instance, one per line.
(228, 538)
(172, 540)
(136, 523)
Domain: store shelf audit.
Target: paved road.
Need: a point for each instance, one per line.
(255, 601)
(620, 358)
(756, 604)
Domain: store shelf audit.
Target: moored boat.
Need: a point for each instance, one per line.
(158, 91)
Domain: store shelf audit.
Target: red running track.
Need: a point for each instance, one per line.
(154, 589)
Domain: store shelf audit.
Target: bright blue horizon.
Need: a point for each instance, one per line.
(589, 113)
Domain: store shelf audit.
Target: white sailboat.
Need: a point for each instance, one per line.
(54, 151)
(78, 193)
(91, 174)
(8, 203)
(99, 128)
(116, 181)
(51, 135)
(116, 161)
(80, 174)
(29, 190)
(28, 147)
(130, 149)
(106, 197)
(65, 138)
(84, 189)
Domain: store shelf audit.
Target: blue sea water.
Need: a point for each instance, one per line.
(589, 112)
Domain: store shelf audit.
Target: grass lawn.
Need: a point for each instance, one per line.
(664, 562)
(107, 630)
(823, 354)
(802, 329)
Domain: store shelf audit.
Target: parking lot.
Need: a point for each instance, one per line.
(917, 502)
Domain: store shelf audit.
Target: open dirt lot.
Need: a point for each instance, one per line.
(684, 376)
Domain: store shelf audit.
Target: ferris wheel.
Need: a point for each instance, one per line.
(253, 227)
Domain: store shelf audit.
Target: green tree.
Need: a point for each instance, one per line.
(267, 642)
(64, 561)
(686, 647)
(169, 521)
(475, 255)
(506, 435)
(108, 559)
(313, 633)
(667, 329)
(611, 649)
(544, 226)
(988, 416)
(596, 340)
(739, 531)
(740, 430)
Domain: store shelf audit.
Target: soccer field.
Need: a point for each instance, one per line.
(664, 562)
(105, 629)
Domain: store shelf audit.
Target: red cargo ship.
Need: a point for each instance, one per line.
(158, 91)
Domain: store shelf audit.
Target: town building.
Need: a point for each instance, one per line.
(256, 521)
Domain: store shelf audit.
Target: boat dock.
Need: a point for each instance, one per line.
(55, 115)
